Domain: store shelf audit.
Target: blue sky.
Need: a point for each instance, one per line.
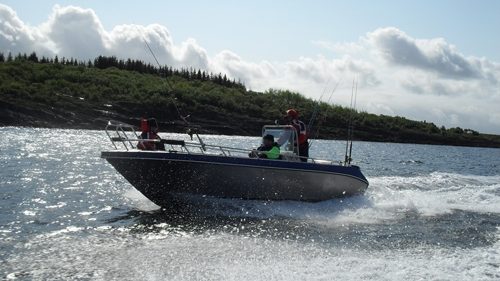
(427, 60)
(281, 30)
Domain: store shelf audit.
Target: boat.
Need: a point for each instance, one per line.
(198, 168)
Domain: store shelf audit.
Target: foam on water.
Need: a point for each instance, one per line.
(427, 195)
(387, 198)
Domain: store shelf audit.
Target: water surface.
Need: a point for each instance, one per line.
(430, 212)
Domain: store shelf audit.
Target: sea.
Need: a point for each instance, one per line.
(429, 213)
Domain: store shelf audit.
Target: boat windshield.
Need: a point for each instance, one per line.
(285, 136)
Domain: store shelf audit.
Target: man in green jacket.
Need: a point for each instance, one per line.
(269, 149)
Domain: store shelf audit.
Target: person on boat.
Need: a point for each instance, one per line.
(292, 118)
(148, 133)
(269, 149)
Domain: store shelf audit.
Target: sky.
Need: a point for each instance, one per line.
(426, 60)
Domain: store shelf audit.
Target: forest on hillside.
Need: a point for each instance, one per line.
(67, 93)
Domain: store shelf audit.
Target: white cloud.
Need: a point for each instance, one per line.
(15, 36)
(341, 48)
(76, 32)
(128, 41)
(434, 55)
(398, 75)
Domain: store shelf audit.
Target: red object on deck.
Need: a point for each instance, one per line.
(144, 125)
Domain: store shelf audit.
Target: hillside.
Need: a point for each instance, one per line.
(49, 93)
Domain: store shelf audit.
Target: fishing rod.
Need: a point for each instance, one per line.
(328, 102)
(317, 105)
(157, 62)
(350, 128)
(190, 131)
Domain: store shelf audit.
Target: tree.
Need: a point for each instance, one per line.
(9, 57)
(456, 130)
(33, 57)
(2, 58)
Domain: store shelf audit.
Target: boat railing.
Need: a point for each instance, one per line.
(119, 132)
(197, 148)
(126, 136)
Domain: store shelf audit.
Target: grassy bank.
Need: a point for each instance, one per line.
(85, 95)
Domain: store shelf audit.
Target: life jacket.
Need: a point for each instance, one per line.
(301, 129)
(271, 152)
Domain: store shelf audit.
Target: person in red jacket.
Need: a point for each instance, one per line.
(292, 117)
(148, 133)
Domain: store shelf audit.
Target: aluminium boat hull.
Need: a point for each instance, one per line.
(159, 175)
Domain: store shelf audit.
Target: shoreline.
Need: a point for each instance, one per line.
(256, 136)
